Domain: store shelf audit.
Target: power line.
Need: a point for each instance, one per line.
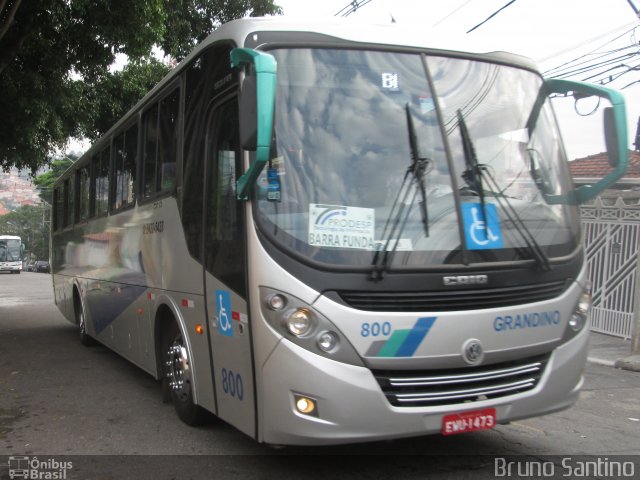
(448, 15)
(603, 67)
(561, 69)
(576, 70)
(633, 24)
(491, 16)
(611, 77)
(351, 8)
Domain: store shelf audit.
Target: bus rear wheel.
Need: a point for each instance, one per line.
(177, 377)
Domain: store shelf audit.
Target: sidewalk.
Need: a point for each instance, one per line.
(607, 350)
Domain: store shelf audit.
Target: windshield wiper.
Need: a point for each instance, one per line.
(474, 176)
(399, 213)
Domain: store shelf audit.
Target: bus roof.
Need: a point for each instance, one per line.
(391, 34)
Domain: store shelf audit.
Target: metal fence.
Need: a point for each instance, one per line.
(611, 235)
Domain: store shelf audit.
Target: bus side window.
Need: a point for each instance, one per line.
(168, 123)
(102, 182)
(160, 125)
(225, 251)
(150, 154)
(205, 78)
(95, 167)
(58, 207)
(99, 186)
(125, 145)
(82, 184)
(69, 200)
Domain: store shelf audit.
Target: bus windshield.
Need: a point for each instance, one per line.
(437, 160)
(9, 250)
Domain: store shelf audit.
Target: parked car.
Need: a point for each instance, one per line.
(31, 267)
(42, 266)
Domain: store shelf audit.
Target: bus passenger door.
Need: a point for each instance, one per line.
(225, 271)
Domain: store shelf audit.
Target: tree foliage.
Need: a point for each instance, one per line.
(109, 99)
(183, 32)
(45, 182)
(55, 58)
(31, 224)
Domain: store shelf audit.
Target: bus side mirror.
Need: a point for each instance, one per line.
(615, 129)
(248, 103)
(256, 104)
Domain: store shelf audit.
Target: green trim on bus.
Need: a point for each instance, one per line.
(265, 68)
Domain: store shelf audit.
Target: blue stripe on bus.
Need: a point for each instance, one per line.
(415, 337)
(404, 342)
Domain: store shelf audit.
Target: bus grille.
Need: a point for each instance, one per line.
(452, 300)
(426, 388)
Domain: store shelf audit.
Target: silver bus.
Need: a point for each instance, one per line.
(328, 233)
(11, 251)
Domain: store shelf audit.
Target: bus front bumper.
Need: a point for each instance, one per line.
(10, 268)
(352, 408)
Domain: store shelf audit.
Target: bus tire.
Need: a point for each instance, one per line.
(81, 320)
(177, 377)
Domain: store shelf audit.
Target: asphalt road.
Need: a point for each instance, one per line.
(58, 398)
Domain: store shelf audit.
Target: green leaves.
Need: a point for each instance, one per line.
(111, 97)
(46, 181)
(55, 82)
(31, 224)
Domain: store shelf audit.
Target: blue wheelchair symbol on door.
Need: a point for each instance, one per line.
(481, 233)
(223, 312)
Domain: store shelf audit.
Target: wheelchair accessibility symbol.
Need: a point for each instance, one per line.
(223, 312)
(481, 233)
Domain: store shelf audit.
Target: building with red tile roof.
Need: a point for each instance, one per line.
(590, 169)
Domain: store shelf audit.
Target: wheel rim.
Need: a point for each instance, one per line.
(81, 323)
(178, 370)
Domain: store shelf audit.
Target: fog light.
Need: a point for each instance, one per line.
(299, 322)
(327, 341)
(276, 302)
(305, 405)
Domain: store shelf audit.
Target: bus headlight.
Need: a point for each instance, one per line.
(327, 341)
(276, 302)
(580, 315)
(299, 322)
(584, 304)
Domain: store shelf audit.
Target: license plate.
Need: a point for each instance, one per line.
(469, 421)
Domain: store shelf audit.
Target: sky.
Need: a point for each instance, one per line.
(551, 32)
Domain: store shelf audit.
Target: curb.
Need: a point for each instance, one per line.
(601, 361)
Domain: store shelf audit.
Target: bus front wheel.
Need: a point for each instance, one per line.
(81, 320)
(177, 377)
